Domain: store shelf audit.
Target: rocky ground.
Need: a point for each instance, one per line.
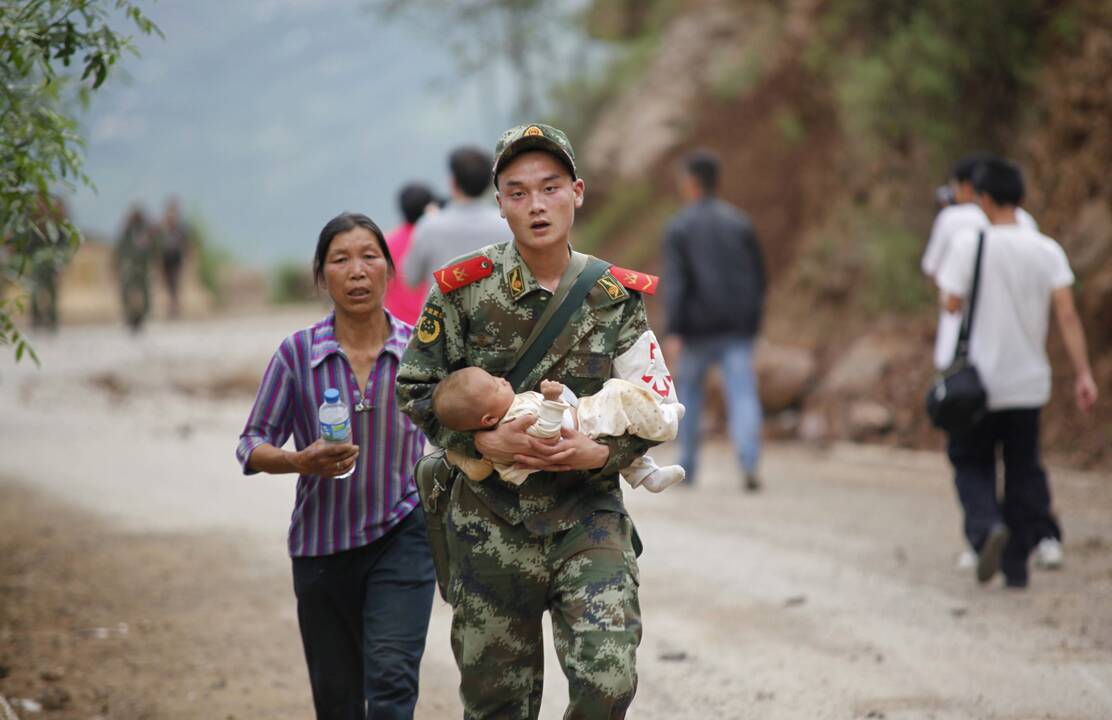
(142, 577)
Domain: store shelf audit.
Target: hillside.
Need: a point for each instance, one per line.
(835, 121)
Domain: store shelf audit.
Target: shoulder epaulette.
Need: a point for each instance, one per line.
(463, 273)
(639, 281)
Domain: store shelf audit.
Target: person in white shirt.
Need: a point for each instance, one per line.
(468, 222)
(1023, 275)
(963, 213)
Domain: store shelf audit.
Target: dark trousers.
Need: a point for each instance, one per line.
(364, 614)
(1025, 508)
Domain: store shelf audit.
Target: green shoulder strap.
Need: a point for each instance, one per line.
(569, 296)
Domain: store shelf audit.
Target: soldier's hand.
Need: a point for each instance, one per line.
(505, 442)
(574, 451)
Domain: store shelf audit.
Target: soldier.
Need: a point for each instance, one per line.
(132, 257)
(47, 257)
(562, 541)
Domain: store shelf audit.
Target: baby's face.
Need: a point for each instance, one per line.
(497, 395)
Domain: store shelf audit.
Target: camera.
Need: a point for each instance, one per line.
(944, 196)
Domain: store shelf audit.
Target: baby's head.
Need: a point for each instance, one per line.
(471, 399)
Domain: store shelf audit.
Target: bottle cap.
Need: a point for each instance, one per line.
(331, 395)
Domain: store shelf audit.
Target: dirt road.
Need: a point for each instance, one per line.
(141, 576)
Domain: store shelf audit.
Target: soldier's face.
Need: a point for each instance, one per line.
(355, 272)
(538, 198)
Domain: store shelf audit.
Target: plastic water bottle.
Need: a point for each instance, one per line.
(335, 422)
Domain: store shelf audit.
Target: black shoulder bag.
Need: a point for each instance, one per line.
(957, 400)
(433, 474)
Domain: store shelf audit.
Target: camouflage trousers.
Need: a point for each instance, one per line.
(504, 578)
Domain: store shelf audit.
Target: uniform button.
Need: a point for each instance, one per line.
(544, 297)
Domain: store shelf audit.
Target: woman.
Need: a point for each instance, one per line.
(362, 571)
(403, 301)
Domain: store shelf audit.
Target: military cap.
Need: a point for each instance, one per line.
(536, 136)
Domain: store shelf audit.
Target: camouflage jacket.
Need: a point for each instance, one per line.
(483, 324)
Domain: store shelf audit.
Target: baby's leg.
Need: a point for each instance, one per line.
(645, 472)
(474, 468)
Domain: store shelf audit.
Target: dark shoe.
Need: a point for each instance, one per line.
(988, 559)
(752, 483)
(1015, 583)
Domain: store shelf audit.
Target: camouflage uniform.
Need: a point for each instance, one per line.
(133, 255)
(560, 542)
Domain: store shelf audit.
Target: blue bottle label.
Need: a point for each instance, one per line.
(336, 432)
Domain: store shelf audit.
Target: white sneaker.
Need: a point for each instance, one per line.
(967, 560)
(1048, 554)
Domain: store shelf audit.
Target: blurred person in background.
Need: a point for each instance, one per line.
(467, 223)
(134, 248)
(46, 263)
(1024, 275)
(713, 299)
(174, 239)
(961, 212)
(405, 301)
(362, 569)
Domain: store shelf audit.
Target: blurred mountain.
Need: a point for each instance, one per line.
(269, 117)
(835, 120)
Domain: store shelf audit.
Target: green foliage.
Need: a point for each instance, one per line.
(891, 258)
(621, 208)
(212, 260)
(51, 52)
(944, 75)
(482, 31)
(291, 282)
(739, 77)
(791, 126)
(868, 260)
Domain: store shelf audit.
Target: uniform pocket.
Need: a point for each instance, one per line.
(495, 360)
(587, 372)
(589, 365)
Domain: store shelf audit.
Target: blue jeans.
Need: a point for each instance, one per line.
(364, 614)
(743, 406)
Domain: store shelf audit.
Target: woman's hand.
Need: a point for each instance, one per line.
(326, 459)
(573, 451)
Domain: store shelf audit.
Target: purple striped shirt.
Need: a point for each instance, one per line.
(331, 515)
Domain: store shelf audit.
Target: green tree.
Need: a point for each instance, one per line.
(53, 54)
(480, 32)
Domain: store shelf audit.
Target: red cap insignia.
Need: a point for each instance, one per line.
(463, 273)
(639, 281)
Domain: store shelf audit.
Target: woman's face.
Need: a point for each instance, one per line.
(355, 272)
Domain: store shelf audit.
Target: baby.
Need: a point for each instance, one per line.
(473, 399)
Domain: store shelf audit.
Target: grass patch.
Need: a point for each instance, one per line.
(620, 210)
(291, 282)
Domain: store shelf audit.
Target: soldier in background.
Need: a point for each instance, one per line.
(132, 257)
(46, 261)
(561, 542)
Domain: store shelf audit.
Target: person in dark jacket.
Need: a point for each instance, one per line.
(713, 300)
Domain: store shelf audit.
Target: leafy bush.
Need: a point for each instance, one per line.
(40, 146)
(948, 75)
(291, 282)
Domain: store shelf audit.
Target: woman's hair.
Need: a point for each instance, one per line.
(339, 225)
